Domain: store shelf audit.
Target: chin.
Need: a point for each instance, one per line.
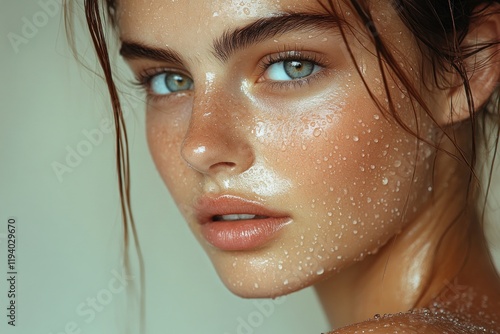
(257, 277)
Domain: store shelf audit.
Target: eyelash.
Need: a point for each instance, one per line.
(143, 79)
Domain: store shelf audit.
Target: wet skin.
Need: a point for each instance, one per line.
(285, 121)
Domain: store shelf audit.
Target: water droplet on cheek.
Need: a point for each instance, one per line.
(317, 132)
(246, 11)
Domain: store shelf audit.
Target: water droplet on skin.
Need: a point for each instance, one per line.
(317, 132)
(256, 285)
(355, 138)
(285, 282)
(304, 147)
(246, 11)
(397, 163)
(320, 271)
(385, 181)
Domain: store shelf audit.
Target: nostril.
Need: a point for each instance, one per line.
(223, 165)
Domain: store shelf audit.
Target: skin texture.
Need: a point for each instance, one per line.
(369, 206)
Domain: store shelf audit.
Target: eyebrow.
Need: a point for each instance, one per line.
(136, 50)
(271, 27)
(241, 38)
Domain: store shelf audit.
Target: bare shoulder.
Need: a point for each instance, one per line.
(417, 322)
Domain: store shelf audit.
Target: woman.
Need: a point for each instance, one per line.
(325, 143)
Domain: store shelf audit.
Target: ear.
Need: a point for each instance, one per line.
(482, 68)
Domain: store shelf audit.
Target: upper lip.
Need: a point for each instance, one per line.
(208, 207)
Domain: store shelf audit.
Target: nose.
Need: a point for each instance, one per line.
(216, 138)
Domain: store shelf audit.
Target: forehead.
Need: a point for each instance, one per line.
(157, 21)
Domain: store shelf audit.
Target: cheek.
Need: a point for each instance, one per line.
(358, 180)
(165, 132)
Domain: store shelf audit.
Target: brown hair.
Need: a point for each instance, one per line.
(439, 26)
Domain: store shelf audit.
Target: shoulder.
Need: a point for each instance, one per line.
(410, 323)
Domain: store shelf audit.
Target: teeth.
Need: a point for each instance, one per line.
(235, 217)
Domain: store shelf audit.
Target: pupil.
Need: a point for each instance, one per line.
(176, 82)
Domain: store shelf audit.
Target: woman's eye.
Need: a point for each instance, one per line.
(167, 83)
(291, 70)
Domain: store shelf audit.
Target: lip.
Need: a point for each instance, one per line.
(240, 235)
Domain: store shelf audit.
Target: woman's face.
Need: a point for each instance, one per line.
(264, 132)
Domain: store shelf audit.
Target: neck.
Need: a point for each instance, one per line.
(441, 245)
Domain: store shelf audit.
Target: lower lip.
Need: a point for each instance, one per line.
(242, 234)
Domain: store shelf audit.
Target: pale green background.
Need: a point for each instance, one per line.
(69, 232)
